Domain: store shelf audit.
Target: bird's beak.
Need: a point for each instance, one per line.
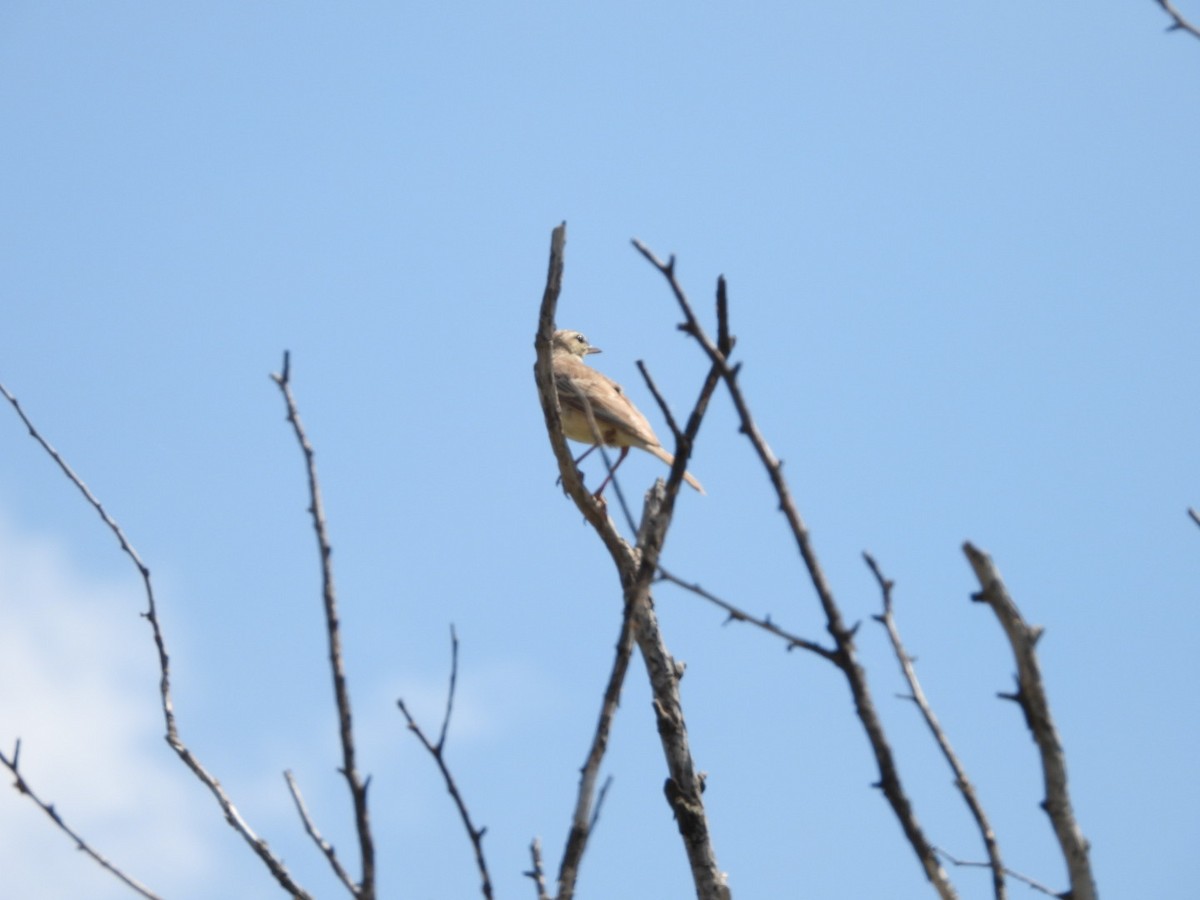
(592, 350)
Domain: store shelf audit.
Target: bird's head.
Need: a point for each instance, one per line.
(572, 342)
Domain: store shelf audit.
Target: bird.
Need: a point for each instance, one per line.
(618, 423)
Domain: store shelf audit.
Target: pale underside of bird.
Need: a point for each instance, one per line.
(614, 420)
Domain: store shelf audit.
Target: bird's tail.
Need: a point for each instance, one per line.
(670, 461)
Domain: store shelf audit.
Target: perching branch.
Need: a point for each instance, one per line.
(846, 653)
(437, 751)
(1031, 695)
(917, 695)
(358, 787)
(636, 567)
(232, 815)
(23, 787)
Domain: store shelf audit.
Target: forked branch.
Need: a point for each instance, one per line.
(845, 654)
(232, 815)
(438, 752)
(357, 785)
(1178, 22)
(636, 567)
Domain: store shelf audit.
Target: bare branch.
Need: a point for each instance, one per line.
(537, 873)
(23, 787)
(323, 845)
(358, 787)
(453, 687)
(658, 398)
(636, 568)
(888, 620)
(1032, 696)
(1178, 22)
(593, 510)
(685, 785)
(1195, 516)
(232, 815)
(737, 614)
(846, 653)
(1016, 876)
(437, 751)
(584, 818)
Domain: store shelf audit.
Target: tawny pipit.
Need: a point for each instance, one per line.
(618, 423)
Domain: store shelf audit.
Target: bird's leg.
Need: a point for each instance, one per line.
(611, 472)
(558, 480)
(584, 454)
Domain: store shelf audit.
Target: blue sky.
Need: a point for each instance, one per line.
(960, 246)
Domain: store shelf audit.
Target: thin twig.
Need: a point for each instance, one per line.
(917, 695)
(843, 636)
(323, 845)
(658, 398)
(437, 751)
(453, 687)
(232, 815)
(1031, 695)
(600, 795)
(23, 787)
(736, 614)
(1194, 515)
(1178, 23)
(584, 816)
(1016, 876)
(537, 873)
(357, 785)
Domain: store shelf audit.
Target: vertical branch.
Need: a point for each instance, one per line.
(685, 785)
(636, 568)
(1031, 695)
(583, 819)
(358, 787)
(232, 815)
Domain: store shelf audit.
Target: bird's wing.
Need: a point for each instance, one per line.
(610, 407)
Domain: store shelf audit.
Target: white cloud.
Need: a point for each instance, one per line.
(77, 675)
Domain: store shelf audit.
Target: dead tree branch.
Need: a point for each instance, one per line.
(1031, 695)
(1178, 22)
(737, 614)
(437, 751)
(358, 786)
(843, 636)
(323, 845)
(636, 567)
(536, 872)
(232, 815)
(584, 818)
(23, 787)
(1016, 876)
(917, 695)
